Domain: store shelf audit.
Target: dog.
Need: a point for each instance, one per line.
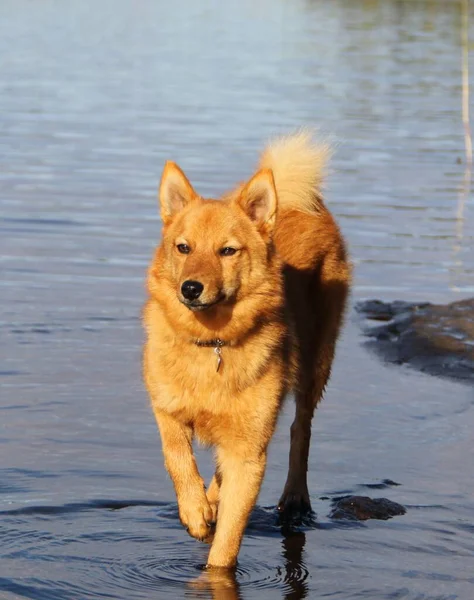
(246, 300)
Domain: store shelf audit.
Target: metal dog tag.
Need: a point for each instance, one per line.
(218, 352)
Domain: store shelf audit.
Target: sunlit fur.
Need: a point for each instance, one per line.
(276, 304)
(299, 166)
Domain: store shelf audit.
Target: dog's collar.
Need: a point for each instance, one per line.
(217, 345)
(211, 343)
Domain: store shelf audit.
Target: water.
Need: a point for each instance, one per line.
(93, 98)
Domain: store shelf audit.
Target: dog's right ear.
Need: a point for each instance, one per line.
(175, 192)
(258, 199)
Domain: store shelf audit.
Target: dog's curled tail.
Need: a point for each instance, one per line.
(299, 166)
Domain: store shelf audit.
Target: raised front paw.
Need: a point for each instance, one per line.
(197, 517)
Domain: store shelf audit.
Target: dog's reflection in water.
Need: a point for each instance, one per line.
(296, 574)
(222, 584)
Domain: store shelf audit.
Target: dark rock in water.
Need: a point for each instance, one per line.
(437, 339)
(386, 483)
(362, 508)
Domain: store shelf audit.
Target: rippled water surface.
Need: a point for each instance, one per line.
(94, 96)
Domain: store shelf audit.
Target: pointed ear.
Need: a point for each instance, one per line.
(258, 200)
(175, 192)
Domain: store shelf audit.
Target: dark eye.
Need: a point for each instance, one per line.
(183, 248)
(227, 251)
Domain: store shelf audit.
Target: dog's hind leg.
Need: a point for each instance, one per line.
(318, 302)
(295, 496)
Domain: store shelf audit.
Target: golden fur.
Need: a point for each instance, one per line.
(273, 278)
(299, 166)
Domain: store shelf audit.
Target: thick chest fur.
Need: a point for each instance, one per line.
(243, 396)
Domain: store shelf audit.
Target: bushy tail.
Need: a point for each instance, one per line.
(299, 165)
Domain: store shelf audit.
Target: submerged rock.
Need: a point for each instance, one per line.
(436, 339)
(362, 508)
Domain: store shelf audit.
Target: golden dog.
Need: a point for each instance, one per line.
(246, 299)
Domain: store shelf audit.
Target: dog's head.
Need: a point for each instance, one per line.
(216, 251)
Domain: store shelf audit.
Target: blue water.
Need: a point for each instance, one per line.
(94, 97)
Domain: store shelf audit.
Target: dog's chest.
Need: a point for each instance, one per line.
(193, 376)
(202, 370)
(190, 384)
(208, 399)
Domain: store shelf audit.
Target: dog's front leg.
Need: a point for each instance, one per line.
(194, 510)
(213, 493)
(242, 475)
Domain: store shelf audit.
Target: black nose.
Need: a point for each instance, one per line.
(191, 289)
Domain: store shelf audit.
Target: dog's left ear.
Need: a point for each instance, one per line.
(175, 192)
(258, 199)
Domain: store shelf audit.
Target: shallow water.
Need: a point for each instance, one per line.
(93, 98)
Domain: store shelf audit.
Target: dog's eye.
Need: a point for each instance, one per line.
(183, 248)
(227, 251)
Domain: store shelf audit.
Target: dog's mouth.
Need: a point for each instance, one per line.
(198, 306)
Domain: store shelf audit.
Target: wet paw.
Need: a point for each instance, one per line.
(294, 504)
(198, 519)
